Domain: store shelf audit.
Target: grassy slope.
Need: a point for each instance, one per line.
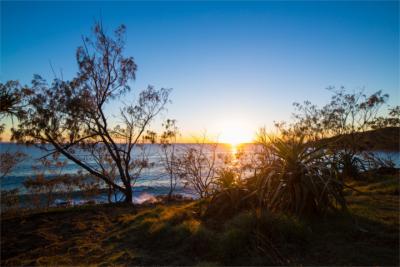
(175, 235)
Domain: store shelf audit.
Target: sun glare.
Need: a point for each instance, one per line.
(235, 136)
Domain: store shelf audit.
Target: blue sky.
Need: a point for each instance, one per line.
(232, 65)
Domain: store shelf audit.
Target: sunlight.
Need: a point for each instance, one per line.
(235, 136)
(234, 149)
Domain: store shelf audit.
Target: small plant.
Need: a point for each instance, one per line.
(226, 178)
(10, 199)
(230, 196)
(89, 186)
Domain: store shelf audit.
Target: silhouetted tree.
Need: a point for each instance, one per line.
(70, 115)
(391, 120)
(11, 106)
(198, 167)
(8, 161)
(169, 155)
(344, 118)
(12, 100)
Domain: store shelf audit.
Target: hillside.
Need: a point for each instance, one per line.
(387, 139)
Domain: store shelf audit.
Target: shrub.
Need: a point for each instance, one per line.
(197, 167)
(9, 199)
(299, 181)
(226, 178)
(235, 241)
(229, 202)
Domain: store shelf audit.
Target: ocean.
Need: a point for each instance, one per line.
(152, 181)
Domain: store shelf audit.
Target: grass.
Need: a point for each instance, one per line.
(178, 234)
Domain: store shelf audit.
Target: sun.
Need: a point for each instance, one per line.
(235, 136)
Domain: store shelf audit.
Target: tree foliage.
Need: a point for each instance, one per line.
(71, 116)
(339, 123)
(11, 106)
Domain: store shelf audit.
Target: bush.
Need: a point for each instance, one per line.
(9, 199)
(299, 181)
(236, 240)
(229, 202)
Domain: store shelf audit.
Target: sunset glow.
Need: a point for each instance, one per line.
(235, 135)
(188, 133)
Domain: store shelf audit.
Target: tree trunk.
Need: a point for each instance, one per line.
(109, 194)
(128, 195)
(171, 189)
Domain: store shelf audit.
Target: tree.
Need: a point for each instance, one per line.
(198, 167)
(11, 106)
(8, 161)
(339, 124)
(391, 120)
(71, 117)
(11, 100)
(169, 157)
(345, 114)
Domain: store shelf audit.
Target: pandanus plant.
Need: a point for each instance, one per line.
(299, 180)
(296, 178)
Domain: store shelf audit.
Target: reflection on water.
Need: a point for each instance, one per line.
(237, 150)
(234, 150)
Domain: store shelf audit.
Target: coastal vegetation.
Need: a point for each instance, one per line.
(312, 193)
(70, 115)
(179, 233)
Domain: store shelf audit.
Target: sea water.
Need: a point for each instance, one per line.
(152, 181)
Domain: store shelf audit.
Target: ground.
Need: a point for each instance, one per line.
(176, 234)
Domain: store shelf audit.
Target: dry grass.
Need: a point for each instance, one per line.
(177, 234)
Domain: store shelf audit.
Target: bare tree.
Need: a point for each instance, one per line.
(70, 115)
(198, 167)
(169, 155)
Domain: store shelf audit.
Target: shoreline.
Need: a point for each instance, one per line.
(141, 194)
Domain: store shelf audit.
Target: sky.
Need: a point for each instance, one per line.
(233, 66)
